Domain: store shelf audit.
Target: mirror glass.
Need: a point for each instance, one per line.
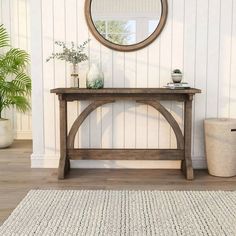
(126, 22)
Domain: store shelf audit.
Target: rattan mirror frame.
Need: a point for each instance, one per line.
(126, 48)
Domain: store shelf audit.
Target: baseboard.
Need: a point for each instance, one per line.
(52, 161)
(23, 135)
(44, 161)
(199, 163)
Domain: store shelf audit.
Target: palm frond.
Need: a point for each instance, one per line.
(10, 88)
(21, 103)
(4, 38)
(22, 82)
(14, 91)
(13, 61)
(7, 88)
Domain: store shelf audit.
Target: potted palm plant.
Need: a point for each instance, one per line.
(15, 84)
(177, 76)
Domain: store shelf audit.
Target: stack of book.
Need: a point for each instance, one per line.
(182, 85)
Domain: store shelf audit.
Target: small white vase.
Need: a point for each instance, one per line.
(74, 74)
(6, 133)
(95, 78)
(177, 77)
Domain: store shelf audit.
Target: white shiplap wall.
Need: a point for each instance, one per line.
(14, 16)
(199, 38)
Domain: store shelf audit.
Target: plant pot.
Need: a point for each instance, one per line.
(220, 141)
(95, 78)
(176, 77)
(6, 133)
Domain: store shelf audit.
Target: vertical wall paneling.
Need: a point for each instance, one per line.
(214, 26)
(232, 97)
(118, 107)
(130, 107)
(200, 74)
(199, 38)
(37, 85)
(50, 102)
(107, 111)
(141, 110)
(225, 58)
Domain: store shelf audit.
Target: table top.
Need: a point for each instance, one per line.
(134, 91)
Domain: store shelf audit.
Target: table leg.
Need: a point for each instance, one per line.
(64, 163)
(186, 165)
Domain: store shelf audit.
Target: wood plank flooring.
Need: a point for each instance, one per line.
(17, 178)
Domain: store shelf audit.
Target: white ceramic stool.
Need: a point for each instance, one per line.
(220, 140)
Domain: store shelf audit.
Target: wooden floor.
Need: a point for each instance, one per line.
(17, 178)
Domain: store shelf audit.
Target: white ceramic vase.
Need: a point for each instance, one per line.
(6, 133)
(177, 77)
(95, 78)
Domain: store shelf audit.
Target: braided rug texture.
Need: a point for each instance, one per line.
(108, 213)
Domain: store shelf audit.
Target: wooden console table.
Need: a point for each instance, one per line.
(148, 96)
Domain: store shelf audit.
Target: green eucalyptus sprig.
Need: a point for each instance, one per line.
(177, 71)
(73, 54)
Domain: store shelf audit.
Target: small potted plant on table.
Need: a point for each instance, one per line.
(177, 76)
(15, 85)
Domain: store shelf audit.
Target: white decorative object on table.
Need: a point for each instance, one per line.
(95, 78)
(6, 133)
(177, 76)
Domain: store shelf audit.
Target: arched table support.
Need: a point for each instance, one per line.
(170, 119)
(78, 122)
(147, 96)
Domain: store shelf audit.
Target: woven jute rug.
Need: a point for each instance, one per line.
(52, 212)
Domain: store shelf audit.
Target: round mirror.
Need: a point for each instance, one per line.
(126, 25)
